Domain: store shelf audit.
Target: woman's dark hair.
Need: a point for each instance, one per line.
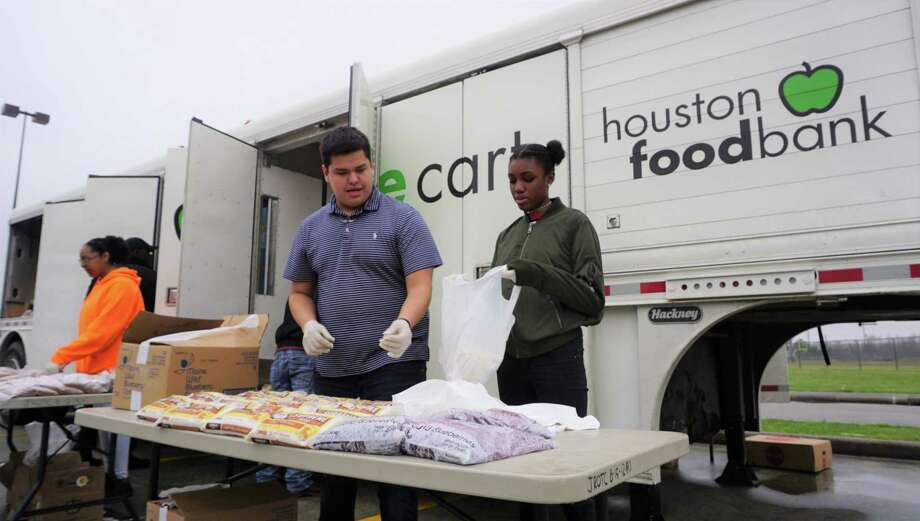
(114, 246)
(548, 156)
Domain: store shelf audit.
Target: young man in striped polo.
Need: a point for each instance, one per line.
(361, 270)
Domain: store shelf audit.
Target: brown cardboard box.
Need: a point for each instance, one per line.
(788, 452)
(13, 309)
(67, 480)
(263, 502)
(226, 361)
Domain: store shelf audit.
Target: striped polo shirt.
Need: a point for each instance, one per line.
(358, 265)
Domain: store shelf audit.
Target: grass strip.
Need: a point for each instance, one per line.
(848, 377)
(843, 430)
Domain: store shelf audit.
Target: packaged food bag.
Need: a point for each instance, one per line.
(189, 416)
(498, 418)
(464, 443)
(291, 428)
(240, 421)
(376, 435)
(152, 411)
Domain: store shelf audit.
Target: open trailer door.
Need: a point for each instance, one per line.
(124, 205)
(363, 112)
(217, 226)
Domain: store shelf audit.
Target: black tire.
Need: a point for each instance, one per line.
(14, 355)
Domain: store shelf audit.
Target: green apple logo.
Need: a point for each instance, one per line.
(813, 91)
(178, 217)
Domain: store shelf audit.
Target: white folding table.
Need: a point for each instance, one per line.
(48, 410)
(583, 464)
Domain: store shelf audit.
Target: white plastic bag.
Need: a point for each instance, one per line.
(434, 396)
(58, 441)
(475, 323)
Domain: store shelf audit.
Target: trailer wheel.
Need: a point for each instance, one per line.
(14, 355)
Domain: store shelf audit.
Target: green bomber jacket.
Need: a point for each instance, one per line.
(557, 260)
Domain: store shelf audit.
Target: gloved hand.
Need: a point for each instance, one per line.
(509, 275)
(53, 368)
(396, 338)
(316, 339)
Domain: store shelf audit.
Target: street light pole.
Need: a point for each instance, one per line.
(22, 143)
(41, 118)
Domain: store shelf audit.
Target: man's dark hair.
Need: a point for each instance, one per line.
(139, 252)
(343, 140)
(114, 246)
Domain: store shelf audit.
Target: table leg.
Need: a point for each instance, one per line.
(153, 484)
(9, 431)
(228, 469)
(446, 505)
(533, 512)
(601, 512)
(644, 503)
(240, 475)
(40, 477)
(110, 463)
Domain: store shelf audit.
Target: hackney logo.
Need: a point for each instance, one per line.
(674, 314)
(811, 90)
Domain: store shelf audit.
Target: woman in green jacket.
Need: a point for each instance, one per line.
(551, 251)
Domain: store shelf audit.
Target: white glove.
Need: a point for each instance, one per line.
(396, 338)
(316, 339)
(53, 368)
(509, 275)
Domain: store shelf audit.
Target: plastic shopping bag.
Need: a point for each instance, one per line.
(476, 320)
(434, 396)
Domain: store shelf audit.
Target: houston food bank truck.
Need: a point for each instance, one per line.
(752, 170)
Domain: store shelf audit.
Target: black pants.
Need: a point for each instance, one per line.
(397, 503)
(555, 377)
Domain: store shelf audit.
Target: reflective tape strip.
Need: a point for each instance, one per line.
(624, 289)
(871, 273)
(915, 271)
(653, 287)
(635, 288)
(844, 275)
(886, 272)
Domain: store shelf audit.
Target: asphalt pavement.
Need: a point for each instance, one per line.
(865, 413)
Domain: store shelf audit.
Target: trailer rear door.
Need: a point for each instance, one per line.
(125, 206)
(217, 230)
(362, 110)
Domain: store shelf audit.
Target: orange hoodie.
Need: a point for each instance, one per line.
(105, 315)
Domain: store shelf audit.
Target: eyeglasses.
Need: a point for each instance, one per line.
(85, 260)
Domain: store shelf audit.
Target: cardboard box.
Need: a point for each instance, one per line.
(263, 502)
(67, 480)
(788, 452)
(13, 309)
(225, 361)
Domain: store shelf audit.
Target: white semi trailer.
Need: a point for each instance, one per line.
(752, 170)
(44, 284)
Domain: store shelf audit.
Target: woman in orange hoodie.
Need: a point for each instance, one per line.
(111, 305)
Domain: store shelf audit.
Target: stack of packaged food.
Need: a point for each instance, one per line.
(295, 419)
(21, 383)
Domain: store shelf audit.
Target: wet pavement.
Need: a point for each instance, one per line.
(866, 413)
(857, 488)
